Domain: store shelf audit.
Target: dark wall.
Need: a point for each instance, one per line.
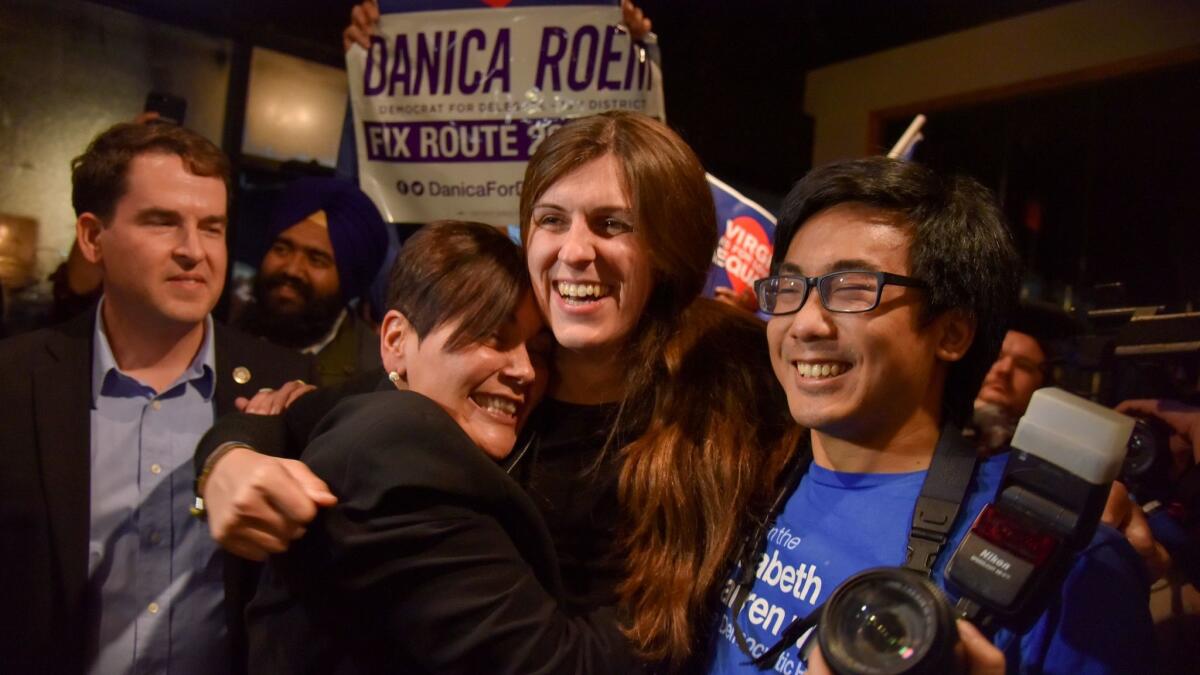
(734, 70)
(735, 89)
(1099, 181)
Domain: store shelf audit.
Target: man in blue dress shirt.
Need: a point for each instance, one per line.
(102, 567)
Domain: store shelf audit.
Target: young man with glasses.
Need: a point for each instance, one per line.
(891, 291)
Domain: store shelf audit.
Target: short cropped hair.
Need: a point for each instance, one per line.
(98, 175)
(959, 245)
(458, 270)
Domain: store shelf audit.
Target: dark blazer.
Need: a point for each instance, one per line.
(45, 505)
(354, 349)
(433, 561)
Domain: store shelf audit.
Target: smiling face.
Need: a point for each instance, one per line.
(590, 270)
(299, 269)
(297, 294)
(487, 387)
(163, 250)
(1015, 375)
(861, 376)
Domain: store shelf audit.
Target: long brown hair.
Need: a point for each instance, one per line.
(699, 383)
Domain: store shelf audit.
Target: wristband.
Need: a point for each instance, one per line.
(197, 509)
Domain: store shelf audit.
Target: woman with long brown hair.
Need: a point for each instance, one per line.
(663, 425)
(619, 230)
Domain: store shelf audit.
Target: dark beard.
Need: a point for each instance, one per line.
(295, 330)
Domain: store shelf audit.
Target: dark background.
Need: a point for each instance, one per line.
(734, 69)
(1097, 179)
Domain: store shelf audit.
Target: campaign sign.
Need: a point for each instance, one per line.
(454, 96)
(747, 241)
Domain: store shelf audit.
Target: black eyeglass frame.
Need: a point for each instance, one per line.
(882, 279)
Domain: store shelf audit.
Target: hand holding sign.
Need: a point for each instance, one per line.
(365, 16)
(636, 21)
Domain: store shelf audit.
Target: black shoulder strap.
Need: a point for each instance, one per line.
(941, 496)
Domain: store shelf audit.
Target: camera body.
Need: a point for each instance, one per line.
(1147, 468)
(1066, 452)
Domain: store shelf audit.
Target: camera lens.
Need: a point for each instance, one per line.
(1147, 468)
(1143, 448)
(887, 621)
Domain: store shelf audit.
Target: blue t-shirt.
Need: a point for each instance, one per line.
(837, 524)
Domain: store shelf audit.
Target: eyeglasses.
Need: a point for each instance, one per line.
(848, 292)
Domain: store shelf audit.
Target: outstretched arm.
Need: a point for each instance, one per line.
(433, 557)
(258, 496)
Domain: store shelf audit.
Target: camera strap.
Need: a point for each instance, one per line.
(942, 493)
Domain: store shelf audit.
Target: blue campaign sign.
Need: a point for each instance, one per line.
(747, 241)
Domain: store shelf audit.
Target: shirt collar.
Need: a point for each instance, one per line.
(108, 380)
(324, 342)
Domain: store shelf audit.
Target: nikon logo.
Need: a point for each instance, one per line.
(990, 556)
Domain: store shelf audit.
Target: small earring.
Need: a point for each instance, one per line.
(394, 377)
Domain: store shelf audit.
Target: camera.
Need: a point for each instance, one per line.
(1147, 468)
(888, 620)
(1066, 451)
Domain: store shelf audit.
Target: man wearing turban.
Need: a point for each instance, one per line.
(328, 244)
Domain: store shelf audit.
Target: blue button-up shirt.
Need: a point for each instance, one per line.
(154, 575)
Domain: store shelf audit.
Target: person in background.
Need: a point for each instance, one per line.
(328, 244)
(1019, 370)
(103, 568)
(1031, 348)
(1023, 366)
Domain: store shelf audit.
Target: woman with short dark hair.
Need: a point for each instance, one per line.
(433, 560)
